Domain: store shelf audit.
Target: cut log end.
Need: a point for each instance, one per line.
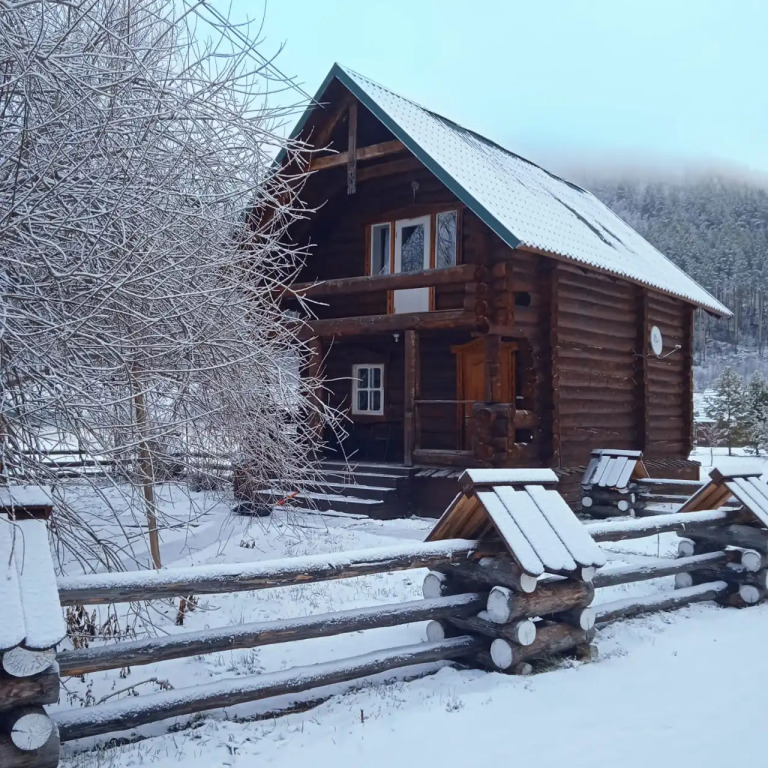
(686, 548)
(23, 662)
(582, 618)
(750, 594)
(498, 605)
(30, 729)
(436, 631)
(434, 585)
(683, 580)
(623, 505)
(586, 502)
(524, 632)
(588, 573)
(751, 560)
(502, 653)
(523, 668)
(528, 583)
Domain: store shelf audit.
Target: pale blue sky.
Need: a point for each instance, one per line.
(581, 80)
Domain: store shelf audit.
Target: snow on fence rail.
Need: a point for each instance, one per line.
(512, 582)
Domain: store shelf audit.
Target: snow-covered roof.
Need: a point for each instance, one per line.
(523, 204)
(535, 524)
(28, 592)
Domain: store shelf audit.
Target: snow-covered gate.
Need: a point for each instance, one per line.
(513, 576)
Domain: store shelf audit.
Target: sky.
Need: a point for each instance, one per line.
(666, 83)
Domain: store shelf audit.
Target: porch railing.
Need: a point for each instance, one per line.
(490, 432)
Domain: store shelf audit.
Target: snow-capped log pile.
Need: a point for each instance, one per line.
(31, 626)
(545, 563)
(609, 484)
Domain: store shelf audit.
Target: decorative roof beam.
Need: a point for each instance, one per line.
(364, 153)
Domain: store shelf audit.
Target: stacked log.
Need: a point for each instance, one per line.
(603, 503)
(28, 736)
(527, 619)
(745, 573)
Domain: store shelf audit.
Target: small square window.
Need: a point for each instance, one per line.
(368, 389)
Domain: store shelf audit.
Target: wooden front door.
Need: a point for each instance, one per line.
(470, 379)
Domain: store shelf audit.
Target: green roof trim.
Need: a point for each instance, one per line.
(338, 73)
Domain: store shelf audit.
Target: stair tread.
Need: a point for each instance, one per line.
(324, 496)
(353, 486)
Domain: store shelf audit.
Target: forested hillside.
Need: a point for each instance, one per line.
(717, 230)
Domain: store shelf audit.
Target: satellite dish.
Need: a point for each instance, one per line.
(657, 342)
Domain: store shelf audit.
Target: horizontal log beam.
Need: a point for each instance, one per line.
(625, 574)
(105, 588)
(505, 605)
(550, 639)
(370, 152)
(406, 165)
(132, 712)
(445, 458)
(17, 692)
(150, 650)
(634, 606)
(447, 319)
(619, 530)
(347, 286)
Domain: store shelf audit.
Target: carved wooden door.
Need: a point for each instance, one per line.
(470, 380)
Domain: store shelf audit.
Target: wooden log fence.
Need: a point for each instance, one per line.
(148, 651)
(483, 605)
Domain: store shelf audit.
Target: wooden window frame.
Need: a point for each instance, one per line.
(355, 378)
(369, 239)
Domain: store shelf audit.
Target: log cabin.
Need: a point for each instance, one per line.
(474, 310)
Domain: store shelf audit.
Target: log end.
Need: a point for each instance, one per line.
(498, 604)
(502, 653)
(23, 662)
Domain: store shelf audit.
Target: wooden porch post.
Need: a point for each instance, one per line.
(492, 381)
(412, 386)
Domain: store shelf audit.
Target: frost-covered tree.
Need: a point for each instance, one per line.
(140, 310)
(756, 417)
(728, 407)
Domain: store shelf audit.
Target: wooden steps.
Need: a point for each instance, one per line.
(376, 490)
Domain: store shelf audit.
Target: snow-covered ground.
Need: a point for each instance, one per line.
(680, 689)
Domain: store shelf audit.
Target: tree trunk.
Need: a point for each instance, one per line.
(146, 467)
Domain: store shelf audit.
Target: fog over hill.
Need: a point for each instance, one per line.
(713, 224)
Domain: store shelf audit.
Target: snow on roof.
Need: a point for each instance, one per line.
(524, 204)
(28, 591)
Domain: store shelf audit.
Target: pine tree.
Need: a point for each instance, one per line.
(756, 421)
(728, 406)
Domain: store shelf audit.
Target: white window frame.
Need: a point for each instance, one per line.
(400, 225)
(388, 261)
(455, 213)
(356, 368)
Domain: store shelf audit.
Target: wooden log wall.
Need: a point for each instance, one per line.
(597, 332)
(374, 438)
(669, 405)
